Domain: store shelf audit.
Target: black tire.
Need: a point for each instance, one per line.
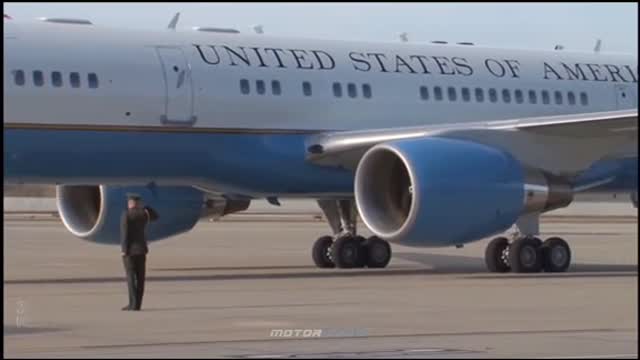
(493, 255)
(525, 255)
(378, 252)
(320, 252)
(346, 252)
(556, 255)
(362, 259)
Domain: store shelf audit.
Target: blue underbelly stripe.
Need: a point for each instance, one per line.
(244, 163)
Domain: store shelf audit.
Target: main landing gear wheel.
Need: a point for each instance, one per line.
(556, 255)
(525, 255)
(378, 252)
(321, 252)
(496, 255)
(347, 252)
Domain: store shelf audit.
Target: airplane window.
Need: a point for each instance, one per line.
(337, 89)
(519, 96)
(351, 90)
(437, 93)
(558, 97)
(571, 98)
(260, 88)
(466, 94)
(56, 78)
(479, 95)
(583, 98)
(38, 78)
(452, 93)
(493, 95)
(74, 79)
(18, 77)
(244, 86)
(366, 91)
(306, 88)
(93, 80)
(275, 87)
(532, 97)
(424, 93)
(506, 95)
(545, 97)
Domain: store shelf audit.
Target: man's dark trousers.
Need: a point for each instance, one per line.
(134, 265)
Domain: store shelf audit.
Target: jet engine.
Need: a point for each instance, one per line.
(443, 192)
(94, 212)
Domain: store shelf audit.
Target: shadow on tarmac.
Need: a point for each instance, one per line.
(429, 264)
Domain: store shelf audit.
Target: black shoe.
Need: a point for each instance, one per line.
(126, 308)
(135, 309)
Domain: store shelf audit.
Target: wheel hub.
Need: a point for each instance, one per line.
(505, 255)
(528, 256)
(377, 253)
(348, 252)
(558, 255)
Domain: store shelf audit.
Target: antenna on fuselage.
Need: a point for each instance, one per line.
(259, 29)
(404, 37)
(596, 49)
(174, 22)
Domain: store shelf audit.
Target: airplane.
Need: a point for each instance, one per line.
(428, 144)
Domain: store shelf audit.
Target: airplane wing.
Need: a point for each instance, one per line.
(565, 144)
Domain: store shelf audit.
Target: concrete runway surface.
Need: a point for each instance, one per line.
(222, 289)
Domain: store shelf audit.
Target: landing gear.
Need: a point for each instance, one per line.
(378, 252)
(527, 253)
(556, 254)
(496, 255)
(348, 252)
(321, 252)
(345, 249)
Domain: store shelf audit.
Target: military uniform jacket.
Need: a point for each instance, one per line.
(133, 230)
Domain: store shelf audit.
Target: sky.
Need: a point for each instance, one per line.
(576, 26)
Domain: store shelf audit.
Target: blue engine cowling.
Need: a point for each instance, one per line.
(93, 212)
(443, 192)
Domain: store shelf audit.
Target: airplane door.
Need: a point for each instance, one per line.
(178, 87)
(626, 97)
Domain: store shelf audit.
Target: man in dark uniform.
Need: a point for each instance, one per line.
(134, 247)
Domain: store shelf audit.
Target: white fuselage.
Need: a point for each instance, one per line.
(139, 86)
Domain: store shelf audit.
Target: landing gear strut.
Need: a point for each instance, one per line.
(346, 249)
(527, 253)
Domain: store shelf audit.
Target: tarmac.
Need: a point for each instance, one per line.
(247, 288)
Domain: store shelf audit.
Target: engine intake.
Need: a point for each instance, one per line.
(80, 208)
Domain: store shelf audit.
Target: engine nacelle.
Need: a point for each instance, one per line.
(443, 192)
(93, 212)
